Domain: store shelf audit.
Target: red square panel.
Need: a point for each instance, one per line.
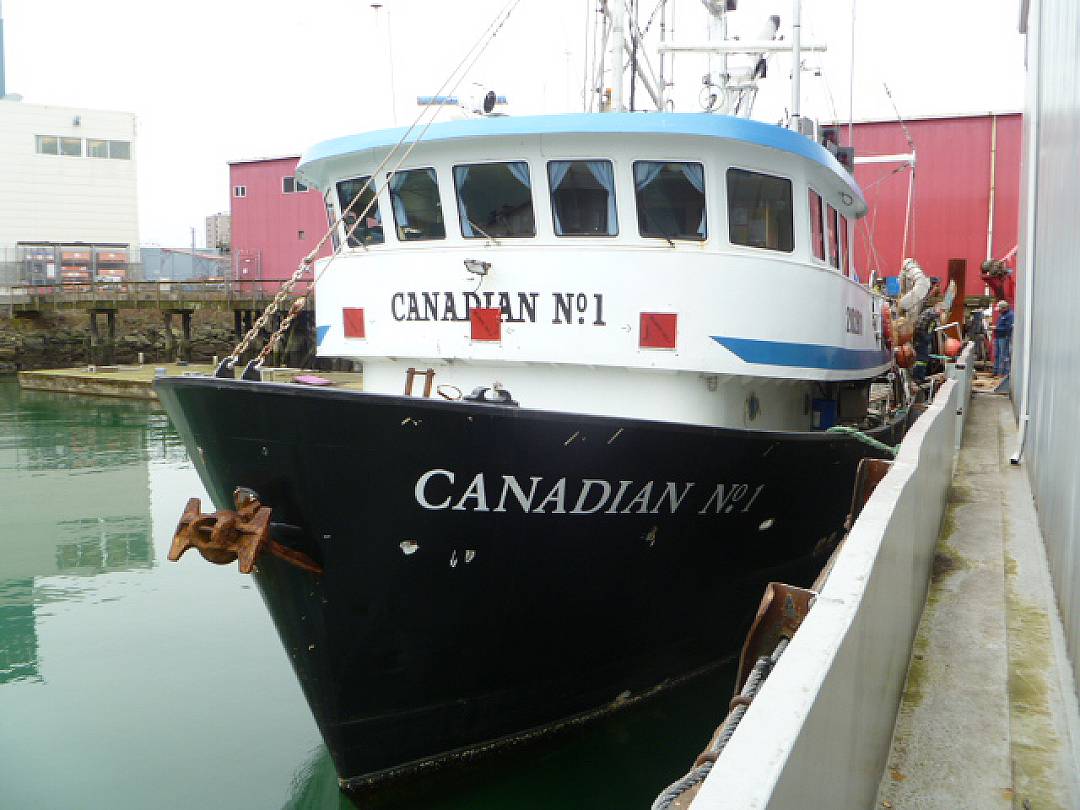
(486, 323)
(354, 322)
(658, 330)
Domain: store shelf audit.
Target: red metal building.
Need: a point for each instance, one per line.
(966, 197)
(276, 221)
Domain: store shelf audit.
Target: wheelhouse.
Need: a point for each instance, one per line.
(663, 180)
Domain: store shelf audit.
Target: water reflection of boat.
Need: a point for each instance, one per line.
(672, 302)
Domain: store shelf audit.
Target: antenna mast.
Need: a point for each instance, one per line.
(733, 89)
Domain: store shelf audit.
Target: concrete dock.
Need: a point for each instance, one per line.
(931, 671)
(137, 382)
(988, 716)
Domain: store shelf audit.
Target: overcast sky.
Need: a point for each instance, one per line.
(214, 80)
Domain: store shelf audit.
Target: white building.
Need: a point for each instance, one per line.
(219, 231)
(68, 201)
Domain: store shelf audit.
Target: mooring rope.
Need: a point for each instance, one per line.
(857, 434)
(738, 707)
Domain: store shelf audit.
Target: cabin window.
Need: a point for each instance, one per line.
(760, 210)
(414, 196)
(583, 197)
(670, 199)
(97, 148)
(495, 199)
(363, 221)
(834, 238)
(817, 237)
(290, 185)
(845, 248)
(331, 219)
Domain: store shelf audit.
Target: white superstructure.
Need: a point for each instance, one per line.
(705, 277)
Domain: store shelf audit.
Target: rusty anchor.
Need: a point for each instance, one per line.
(240, 534)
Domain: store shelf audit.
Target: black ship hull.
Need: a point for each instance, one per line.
(491, 572)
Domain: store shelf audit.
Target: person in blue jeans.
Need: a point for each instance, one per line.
(1003, 339)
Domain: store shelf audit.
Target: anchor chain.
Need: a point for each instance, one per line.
(460, 71)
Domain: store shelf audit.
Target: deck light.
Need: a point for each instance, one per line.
(477, 266)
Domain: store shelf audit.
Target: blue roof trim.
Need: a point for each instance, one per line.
(320, 333)
(700, 124)
(803, 355)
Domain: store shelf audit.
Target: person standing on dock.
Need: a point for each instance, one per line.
(925, 340)
(1003, 329)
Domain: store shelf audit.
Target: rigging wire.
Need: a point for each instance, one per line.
(389, 177)
(635, 32)
(909, 209)
(585, 58)
(467, 62)
(851, 83)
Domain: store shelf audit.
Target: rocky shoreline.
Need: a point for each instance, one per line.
(62, 340)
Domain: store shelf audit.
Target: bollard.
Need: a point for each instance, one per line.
(142, 358)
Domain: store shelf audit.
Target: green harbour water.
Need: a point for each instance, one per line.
(127, 681)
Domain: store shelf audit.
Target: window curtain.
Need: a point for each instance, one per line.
(397, 180)
(557, 170)
(461, 177)
(604, 173)
(645, 172)
(520, 170)
(695, 173)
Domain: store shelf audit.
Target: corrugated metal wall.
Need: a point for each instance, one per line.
(952, 193)
(1052, 452)
(272, 230)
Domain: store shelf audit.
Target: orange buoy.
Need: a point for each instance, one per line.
(953, 347)
(887, 326)
(905, 356)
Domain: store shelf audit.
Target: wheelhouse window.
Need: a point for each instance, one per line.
(97, 148)
(583, 197)
(363, 221)
(817, 235)
(834, 238)
(670, 199)
(331, 220)
(495, 199)
(72, 147)
(414, 196)
(760, 210)
(120, 150)
(845, 248)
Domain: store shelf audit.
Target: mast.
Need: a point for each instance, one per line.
(796, 63)
(2, 90)
(617, 45)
